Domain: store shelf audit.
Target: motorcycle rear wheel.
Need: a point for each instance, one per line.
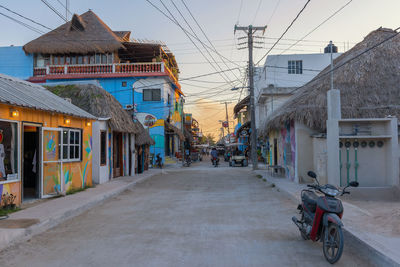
(333, 243)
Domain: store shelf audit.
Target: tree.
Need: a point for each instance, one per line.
(207, 139)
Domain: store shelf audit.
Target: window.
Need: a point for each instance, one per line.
(8, 151)
(67, 60)
(169, 99)
(71, 144)
(295, 67)
(151, 94)
(123, 84)
(91, 59)
(104, 59)
(98, 59)
(103, 149)
(55, 60)
(109, 58)
(80, 59)
(73, 59)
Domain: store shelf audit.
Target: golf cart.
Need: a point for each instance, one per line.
(237, 156)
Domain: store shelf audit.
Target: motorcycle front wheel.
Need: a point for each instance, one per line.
(333, 243)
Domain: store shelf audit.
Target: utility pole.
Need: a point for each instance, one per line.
(250, 30)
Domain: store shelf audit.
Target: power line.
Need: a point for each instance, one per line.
(54, 9)
(25, 17)
(319, 25)
(201, 29)
(213, 59)
(349, 60)
(23, 24)
(168, 17)
(273, 12)
(287, 29)
(258, 9)
(240, 11)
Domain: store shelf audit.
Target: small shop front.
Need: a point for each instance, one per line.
(42, 154)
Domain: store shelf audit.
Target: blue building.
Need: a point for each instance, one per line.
(143, 77)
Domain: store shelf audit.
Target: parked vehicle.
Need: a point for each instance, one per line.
(187, 161)
(159, 163)
(321, 217)
(237, 156)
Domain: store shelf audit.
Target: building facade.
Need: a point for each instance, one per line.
(45, 143)
(143, 77)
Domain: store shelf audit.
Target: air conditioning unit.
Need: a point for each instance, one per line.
(130, 106)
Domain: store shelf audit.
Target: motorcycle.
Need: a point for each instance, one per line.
(321, 217)
(215, 161)
(188, 161)
(159, 161)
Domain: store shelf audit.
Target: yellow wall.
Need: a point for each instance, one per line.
(73, 175)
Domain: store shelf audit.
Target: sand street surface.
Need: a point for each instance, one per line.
(196, 216)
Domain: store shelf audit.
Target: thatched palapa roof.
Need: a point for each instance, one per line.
(369, 86)
(143, 137)
(85, 33)
(99, 103)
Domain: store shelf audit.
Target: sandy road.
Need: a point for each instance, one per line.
(197, 216)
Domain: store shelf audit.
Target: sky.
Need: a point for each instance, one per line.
(205, 96)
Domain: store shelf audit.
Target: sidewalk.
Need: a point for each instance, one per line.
(24, 224)
(360, 225)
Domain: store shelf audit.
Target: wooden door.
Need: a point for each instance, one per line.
(117, 155)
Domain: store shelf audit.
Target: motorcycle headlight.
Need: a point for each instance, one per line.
(330, 191)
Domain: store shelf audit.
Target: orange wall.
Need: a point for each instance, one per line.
(76, 174)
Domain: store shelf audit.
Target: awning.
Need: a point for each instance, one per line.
(243, 103)
(169, 128)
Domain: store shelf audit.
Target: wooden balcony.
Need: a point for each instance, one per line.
(87, 71)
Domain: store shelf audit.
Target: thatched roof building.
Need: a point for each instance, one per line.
(88, 34)
(369, 86)
(143, 137)
(99, 103)
(85, 33)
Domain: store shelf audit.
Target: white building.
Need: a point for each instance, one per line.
(276, 81)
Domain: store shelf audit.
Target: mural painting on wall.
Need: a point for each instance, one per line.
(11, 189)
(149, 120)
(52, 179)
(76, 174)
(50, 145)
(288, 147)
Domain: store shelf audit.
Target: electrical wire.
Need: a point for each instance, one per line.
(257, 10)
(23, 24)
(321, 75)
(201, 29)
(319, 25)
(226, 78)
(31, 20)
(287, 29)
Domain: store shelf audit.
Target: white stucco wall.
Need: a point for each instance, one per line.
(100, 173)
(275, 70)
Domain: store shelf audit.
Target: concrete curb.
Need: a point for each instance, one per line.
(363, 248)
(9, 237)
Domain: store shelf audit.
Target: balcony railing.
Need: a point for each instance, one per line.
(117, 68)
(99, 68)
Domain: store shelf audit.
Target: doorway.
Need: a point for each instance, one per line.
(31, 162)
(117, 155)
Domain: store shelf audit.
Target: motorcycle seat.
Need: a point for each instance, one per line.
(310, 199)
